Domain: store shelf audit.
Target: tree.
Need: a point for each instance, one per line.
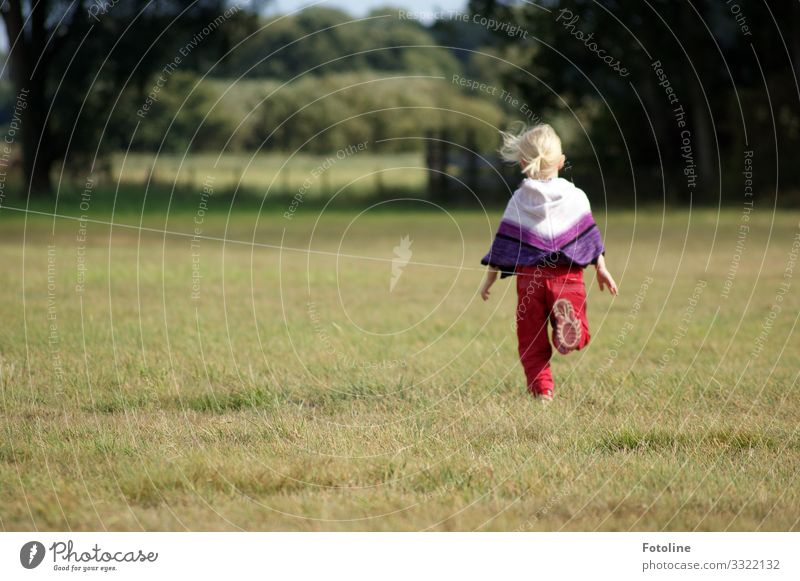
(299, 44)
(69, 60)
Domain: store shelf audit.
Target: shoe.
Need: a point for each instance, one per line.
(545, 396)
(567, 331)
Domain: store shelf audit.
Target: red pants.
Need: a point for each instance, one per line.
(538, 287)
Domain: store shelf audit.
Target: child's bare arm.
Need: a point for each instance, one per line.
(604, 278)
(491, 277)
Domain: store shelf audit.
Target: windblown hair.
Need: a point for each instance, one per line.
(537, 149)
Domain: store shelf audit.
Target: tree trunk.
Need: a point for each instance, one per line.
(36, 151)
(40, 183)
(794, 37)
(705, 152)
(28, 70)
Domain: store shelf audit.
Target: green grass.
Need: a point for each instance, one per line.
(296, 392)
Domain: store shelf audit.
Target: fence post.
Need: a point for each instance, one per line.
(444, 183)
(471, 177)
(432, 161)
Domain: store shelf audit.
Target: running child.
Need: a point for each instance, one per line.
(547, 237)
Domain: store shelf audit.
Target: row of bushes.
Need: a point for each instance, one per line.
(315, 114)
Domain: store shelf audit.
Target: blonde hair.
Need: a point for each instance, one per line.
(538, 149)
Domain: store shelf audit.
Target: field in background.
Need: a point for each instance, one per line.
(353, 170)
(276, 382)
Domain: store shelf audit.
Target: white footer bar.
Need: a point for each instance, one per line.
(406, 556)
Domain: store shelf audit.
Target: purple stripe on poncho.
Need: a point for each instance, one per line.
(540, 225)
(552, 244)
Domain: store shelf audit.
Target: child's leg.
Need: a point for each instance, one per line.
(570, 286)
(534, 344)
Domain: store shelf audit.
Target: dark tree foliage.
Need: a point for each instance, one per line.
(732, 66)
(321, 40)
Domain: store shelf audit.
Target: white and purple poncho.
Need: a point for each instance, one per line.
(545, 221)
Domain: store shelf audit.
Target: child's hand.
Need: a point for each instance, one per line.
(604, 279)
(487, 284)
(491, 276)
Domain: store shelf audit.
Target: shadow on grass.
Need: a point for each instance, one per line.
(634, 440)
(104, 201)
(262, 398)
(129, 198)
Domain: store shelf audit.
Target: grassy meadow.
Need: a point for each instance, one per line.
(263, 376)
